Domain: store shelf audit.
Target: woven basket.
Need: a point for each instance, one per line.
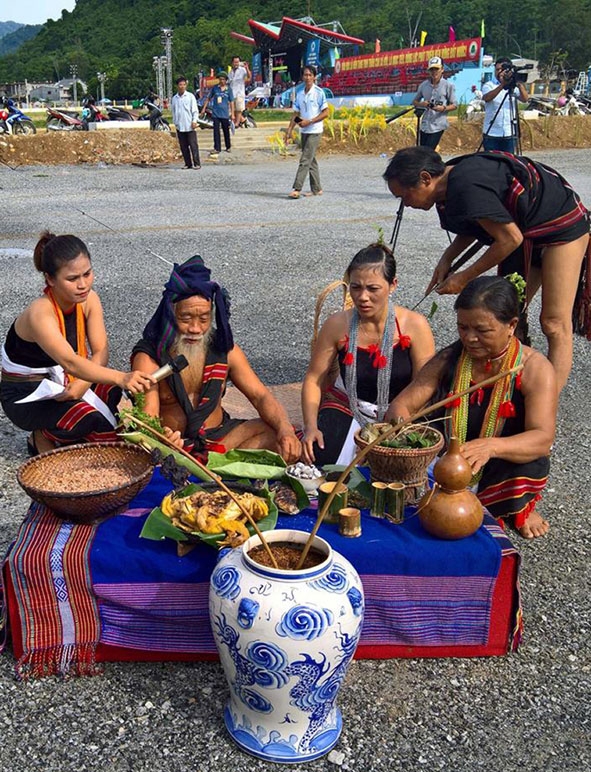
(38, 477)
(405, 465)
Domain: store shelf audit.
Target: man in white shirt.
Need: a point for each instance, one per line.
(310, 108)
(238, 77)
(185, 115)
(499, 133)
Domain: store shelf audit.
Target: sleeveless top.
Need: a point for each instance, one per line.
(477, 410)
(29, 354)
(367, 372)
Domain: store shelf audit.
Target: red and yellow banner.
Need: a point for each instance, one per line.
(453, 51)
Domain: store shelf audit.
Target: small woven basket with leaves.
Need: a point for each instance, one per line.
(86, 483)
(404, 465)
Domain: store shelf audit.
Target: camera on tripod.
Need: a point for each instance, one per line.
(512, 75)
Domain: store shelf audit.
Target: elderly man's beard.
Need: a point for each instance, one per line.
(195, 353)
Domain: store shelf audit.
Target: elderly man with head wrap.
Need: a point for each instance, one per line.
(189, 403)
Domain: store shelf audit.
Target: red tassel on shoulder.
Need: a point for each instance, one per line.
(455, 402)
(348, 358)
(404, 341)
(507, 410)
(518, 381)
(477, 396)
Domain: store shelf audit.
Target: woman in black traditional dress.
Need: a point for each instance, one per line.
(61, 337)
(379, 347)
(503, 201)
(506, 430)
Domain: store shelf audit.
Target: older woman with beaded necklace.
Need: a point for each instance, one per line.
(379, 346)
(506, 431)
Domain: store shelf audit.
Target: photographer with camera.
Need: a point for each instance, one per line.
(501, 120)
(435, 98)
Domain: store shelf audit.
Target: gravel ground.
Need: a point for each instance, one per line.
(525, 711)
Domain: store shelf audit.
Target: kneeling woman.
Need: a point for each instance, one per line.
(506, 430)
(49, 340)
(380, 347)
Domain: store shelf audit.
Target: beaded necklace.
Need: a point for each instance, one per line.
(500, 405)
(382, 360)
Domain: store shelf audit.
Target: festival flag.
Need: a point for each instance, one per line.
(482, 28)
(452, 35)
(423, 37)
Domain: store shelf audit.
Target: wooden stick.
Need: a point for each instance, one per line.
(212, 475)
(393, 431)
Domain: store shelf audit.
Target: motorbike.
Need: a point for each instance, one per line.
(91, 113)
(119, 114)
(154, 115)
(475, 105)
(60, 120)
(4, 127)
(15, 121)
(205, 120)
(248, 122)
(570, 104)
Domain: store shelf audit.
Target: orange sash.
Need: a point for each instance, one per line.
(81, 348)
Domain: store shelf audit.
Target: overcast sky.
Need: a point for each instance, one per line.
(34, 11)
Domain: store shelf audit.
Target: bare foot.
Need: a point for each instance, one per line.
(41, 443)
(534, 526)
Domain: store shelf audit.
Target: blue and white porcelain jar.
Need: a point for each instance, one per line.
(285, 640)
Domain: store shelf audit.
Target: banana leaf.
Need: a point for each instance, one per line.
(252, 464)
(151, 443)
(300, 492)
(158, 526)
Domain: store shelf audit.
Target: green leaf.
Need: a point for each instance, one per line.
(253, 464)
(150, 443)
(303, 500)
(434, 308)
(158, 526)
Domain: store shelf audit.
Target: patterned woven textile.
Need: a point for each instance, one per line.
(77, 589)
(49, 569)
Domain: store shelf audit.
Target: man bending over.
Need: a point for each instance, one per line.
(189, 403)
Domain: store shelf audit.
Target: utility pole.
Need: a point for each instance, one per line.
(157, 67)
(102, 77)
(166, 39)
(74, 74)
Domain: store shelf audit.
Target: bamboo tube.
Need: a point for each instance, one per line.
(378, 499)
(350, 522)
(393, 431)
(217, 480)
(395, 501)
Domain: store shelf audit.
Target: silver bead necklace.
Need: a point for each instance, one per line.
(384, 373)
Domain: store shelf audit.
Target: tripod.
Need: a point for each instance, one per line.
(398, 221)
(509, 96)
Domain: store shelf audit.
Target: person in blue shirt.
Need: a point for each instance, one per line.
(310, 108)
(222, 111)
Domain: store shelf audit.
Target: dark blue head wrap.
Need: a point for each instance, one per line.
(187, 280)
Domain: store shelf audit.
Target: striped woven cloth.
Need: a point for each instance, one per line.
(80, 586)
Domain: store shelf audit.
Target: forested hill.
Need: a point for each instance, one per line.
(6, 27)
(120, 37)
(12, 41)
